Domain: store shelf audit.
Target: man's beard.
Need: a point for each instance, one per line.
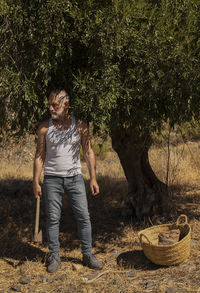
(56, 116)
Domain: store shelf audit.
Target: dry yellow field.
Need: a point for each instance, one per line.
(115, 240)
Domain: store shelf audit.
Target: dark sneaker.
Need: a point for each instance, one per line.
(91, 262)
(53, 263)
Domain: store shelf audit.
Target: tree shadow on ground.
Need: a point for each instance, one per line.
(135, 260)
(186, 200)
(18, 250)
(17, 218)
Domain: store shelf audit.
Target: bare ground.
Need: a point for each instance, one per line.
(115, 239)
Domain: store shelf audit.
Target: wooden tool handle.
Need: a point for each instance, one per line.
(37, 215)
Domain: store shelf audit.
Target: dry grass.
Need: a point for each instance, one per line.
(115, 240)
(184, 165)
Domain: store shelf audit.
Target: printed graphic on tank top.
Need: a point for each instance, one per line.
(62, 151)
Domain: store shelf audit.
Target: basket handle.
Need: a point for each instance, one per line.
(178, 220)
(143, 235)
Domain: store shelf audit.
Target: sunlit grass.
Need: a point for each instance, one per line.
(183, 166)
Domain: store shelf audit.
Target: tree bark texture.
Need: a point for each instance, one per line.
(147, 195)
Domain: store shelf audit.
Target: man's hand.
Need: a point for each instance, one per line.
(37, 190)
(94, 187)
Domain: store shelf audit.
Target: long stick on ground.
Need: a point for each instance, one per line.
(101, 274)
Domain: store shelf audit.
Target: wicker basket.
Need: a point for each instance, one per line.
(166, 255)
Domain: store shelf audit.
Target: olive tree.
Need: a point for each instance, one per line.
(143, 59)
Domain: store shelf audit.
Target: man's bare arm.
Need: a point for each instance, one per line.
(39, 158)
(89, 156)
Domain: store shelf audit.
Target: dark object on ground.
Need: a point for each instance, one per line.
(16, 288)
(24, 280)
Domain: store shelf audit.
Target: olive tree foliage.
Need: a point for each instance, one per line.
(126, 63)
(36, 42)
(143, 59)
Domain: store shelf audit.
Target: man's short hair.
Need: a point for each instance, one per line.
(56, 93)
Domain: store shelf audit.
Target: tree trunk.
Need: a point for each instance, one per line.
(147, 195)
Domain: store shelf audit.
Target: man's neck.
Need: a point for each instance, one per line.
(63, 121)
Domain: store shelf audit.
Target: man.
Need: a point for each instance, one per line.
(58, 150)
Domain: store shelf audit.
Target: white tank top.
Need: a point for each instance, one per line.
(62, 151)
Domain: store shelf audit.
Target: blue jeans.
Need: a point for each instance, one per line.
(53, 189)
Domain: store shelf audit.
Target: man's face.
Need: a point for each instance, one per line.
(57, 106)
